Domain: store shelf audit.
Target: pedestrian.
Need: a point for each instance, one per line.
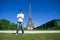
(20, 17)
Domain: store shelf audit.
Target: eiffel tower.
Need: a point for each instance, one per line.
(30, 25)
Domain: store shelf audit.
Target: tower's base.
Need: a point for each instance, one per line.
(30, 28)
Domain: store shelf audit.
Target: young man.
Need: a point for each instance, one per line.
(20, 21)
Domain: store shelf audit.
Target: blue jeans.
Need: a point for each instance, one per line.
(19, 24)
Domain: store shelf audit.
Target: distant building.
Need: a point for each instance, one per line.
(30, 25)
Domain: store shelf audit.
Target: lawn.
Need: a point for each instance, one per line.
(50, 36)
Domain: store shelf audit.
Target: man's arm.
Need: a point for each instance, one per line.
(22, 16)
(19, 17)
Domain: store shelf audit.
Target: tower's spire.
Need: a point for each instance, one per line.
(30, 10)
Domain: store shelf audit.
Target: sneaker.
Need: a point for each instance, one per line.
(22, 34)
(16, 34)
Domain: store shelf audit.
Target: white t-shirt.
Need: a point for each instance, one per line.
(20, 19)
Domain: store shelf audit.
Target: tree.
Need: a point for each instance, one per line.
(12, 26)
(4, 24)
(7, 25)
(50, 25)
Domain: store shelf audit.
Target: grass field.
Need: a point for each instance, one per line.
(50, 36)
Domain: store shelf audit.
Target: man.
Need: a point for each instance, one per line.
(20, 21)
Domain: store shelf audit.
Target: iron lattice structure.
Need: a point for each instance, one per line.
(30, 24)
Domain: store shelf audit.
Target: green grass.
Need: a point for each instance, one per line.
(50, 36)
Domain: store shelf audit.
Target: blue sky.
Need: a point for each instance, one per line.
(42, 10)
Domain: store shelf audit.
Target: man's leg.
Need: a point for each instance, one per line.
(17, 28)
(22, 29)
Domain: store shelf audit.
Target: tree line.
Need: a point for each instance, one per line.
(7, 25)
(50, 25)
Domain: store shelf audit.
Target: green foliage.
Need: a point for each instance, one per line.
(51, 25)
(7, 25)
(4, 24)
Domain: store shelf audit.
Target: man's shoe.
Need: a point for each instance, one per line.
(16, 34)
(22, 34)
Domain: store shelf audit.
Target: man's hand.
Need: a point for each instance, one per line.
(19, 17)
